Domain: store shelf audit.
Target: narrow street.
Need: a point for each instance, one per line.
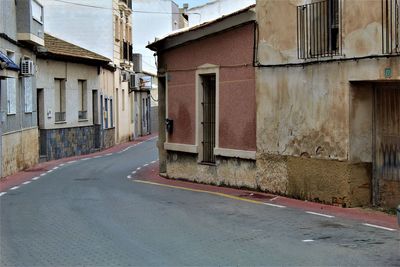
(87, 213)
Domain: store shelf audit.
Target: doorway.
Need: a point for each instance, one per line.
(386, 145)
(40, 122)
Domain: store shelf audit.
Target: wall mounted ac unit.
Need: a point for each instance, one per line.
(133, 83)
(27, 67)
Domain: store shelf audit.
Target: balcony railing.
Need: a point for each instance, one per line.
(59, 116)
(128, 3)
(82, 114)
(319, 29)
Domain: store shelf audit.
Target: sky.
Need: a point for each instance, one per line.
(191, 3)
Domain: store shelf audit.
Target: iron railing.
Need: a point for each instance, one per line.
(390, 26)
(319, 29)
(59, 116)
(82, 114)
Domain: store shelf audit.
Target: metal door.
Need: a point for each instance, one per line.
(387, 137)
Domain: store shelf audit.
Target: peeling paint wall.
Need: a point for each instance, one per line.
(20, 150)
(314, 121)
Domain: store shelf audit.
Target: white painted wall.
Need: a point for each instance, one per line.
(148, 26)
(215, 9)
(87, 27)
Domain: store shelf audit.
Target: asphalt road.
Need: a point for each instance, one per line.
(87, 213)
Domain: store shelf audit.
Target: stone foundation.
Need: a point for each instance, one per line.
(108, 138)
(19, 151)
(327, 181)
(227, 171)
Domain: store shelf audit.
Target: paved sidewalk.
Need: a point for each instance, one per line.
(150, 174)
(25, 175)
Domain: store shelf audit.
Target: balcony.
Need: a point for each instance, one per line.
(59, 116)
(82, 115)
(30, 22)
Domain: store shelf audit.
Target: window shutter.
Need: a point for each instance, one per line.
(28, 93)
(11, 96)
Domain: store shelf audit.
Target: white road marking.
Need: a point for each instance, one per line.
(85, 159)
(274, 205)
(55, 168)
(109, 154)
(62, 164)
(133, 172)
(97, 157)
(3, 193)
(153, 161)
(320, 214)
(49, 171)
(379, 227)
(72, 161)
(27, 182)
(35, 178)
(129, 177)
(138, 168)
(308, 240)
(43, 174)
(145, 165)
(14, 188)
(275, 198)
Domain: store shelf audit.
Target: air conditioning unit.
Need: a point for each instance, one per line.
(133, 83)
(27, 67)
(125, 76)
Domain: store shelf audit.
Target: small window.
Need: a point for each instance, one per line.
(27, 82)
(11, 84)
(37, 11)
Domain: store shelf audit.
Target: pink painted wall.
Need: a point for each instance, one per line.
(237, 87)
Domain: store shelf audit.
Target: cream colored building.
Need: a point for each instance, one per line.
(328, 100)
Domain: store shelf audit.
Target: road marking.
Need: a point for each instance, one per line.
(27, 182)
(97, 157)
(138, 168)
(274, 205)
(55, 168)
(85, 159)
(320, 214)
(379, 227)
(14, 188)
(43, 174)
(3, 193)
(72, 161)
(35, 178)
(129, 177)
(62, 164)
(275, 198)
(308, 240)
(145, 165)
(109, 154)
(49, 171)
(201, 191)
(133, 172)
(154, 161)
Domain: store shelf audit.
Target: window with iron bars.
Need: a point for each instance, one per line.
(319, 29)
(390, 26)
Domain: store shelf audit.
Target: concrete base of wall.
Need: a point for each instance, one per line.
(19, 151)
(327, 181)
(108, 138)
(227, 171)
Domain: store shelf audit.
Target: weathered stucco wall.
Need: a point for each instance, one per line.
(237, 94)
(315, 120)
(20, 150)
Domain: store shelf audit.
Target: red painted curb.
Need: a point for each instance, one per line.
(151, 174)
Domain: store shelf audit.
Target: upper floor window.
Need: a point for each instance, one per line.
(319, 29)
(37, 11)
(390, 26)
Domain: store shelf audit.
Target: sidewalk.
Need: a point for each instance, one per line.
(25, 175)
(150, 174)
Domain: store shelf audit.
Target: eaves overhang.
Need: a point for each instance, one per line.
(221, 24)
